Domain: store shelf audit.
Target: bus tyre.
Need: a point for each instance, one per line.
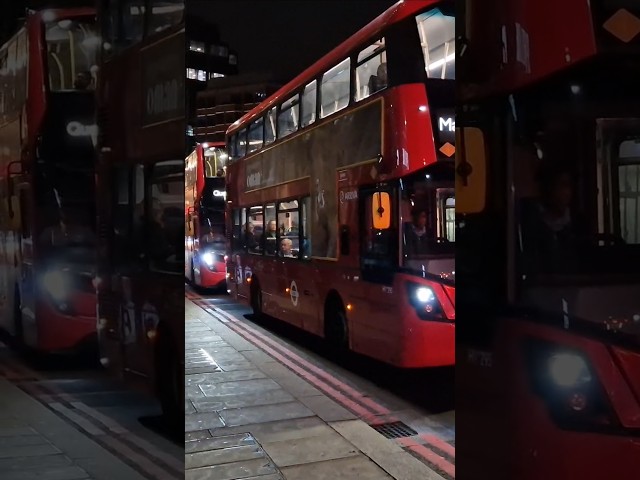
(256, 297)
(169, 377)
(336, 330)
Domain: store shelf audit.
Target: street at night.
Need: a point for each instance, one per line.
(262, 396)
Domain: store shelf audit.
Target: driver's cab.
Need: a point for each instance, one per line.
(427, 210)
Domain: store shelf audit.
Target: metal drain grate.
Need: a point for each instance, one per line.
(394, 430)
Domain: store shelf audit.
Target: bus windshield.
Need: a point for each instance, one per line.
(428, 220)
(72, 48)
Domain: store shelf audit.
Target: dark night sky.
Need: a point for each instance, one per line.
(285, 36)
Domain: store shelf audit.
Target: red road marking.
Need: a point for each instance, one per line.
(439, 444)
(430, 456)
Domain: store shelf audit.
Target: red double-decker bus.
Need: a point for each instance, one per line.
(47, 137)
(548, 251)
(205, 200)
(340, 193)
(140, 181)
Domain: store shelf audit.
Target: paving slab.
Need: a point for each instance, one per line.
(253, 418)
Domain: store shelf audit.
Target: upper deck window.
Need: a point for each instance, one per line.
(334, 90)
(255, 136)
(309, 95)
(165, 14)
(72, 48)
(437, 38)
(270, 126)
(288, 117)
(371, 70)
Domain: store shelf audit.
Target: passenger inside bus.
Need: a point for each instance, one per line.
(269, 238)
(83, 81)
(417, 234)
(250, 237)
(552, 233)
(286, 248)
(378, 81)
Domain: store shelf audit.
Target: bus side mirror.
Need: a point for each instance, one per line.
(471, 170)
(345, 240)
(381, 210)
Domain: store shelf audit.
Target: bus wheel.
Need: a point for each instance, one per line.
(256, 298)
(336, 330)
(18, 327)
(169, 377)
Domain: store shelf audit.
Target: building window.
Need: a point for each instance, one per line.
(233, 59)
(202, 76)
(191, 73)
(195, 46)
(216, 75)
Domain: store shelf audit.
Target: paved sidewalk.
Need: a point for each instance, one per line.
(250, 417)
(37, 444)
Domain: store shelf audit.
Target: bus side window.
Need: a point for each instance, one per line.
(305, 228)
(122, 211)
(371, 70)
(254, 229)
(270, 235)
(136, 204)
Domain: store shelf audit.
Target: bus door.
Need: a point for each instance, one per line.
(377, 301)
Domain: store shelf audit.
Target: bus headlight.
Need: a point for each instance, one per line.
(568, 370)
(425, 295)
(568, 385)
(207, 258)
(425, 302)
(56, 284)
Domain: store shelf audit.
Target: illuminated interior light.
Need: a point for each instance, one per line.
(442, 61)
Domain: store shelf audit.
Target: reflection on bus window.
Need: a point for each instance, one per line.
(335, 88)
(371, 71)
(437, 38)
(72, 51)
